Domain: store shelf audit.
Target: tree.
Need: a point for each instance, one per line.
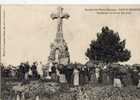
(108, 47)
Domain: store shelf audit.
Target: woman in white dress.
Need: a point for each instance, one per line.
(117, 81)
(76, 77)
(39, 69)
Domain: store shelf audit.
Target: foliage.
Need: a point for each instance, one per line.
(108, 47)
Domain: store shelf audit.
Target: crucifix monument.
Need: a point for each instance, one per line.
(59, 50)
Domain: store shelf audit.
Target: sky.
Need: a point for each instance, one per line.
(30, 30)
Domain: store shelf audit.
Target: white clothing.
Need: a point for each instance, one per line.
(18, 97)
(26, 76)
(117, 83)
(62, 78)
(13, 73)
(76, 77)
(48, 77)
(57, 72)
(138, 84)
(97, 73)
(30, 72)
(39, 69)
(50, 67)
(23, 97)
(37, 98)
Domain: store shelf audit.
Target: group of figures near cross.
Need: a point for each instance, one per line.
(78, 74)
(75, 74)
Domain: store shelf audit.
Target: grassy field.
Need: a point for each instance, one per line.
(56, 91)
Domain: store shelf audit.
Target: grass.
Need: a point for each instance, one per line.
(56, 91)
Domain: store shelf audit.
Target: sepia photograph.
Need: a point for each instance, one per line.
(70, 52)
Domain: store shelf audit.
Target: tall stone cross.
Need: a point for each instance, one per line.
(59, 16)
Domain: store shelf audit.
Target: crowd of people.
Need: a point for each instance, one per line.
(22, 72)
(74, 74)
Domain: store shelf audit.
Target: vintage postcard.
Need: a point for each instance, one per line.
(70, 52)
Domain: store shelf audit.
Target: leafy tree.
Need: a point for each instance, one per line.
(108, 47)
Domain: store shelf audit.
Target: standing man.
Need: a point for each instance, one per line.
(34, 71)
(27, 67)
(21, 72)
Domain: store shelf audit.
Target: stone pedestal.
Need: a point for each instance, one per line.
(59, 53)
